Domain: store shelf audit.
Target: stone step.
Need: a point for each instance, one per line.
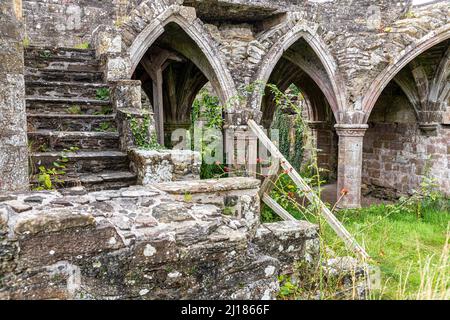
(63, 64)
(62, 54)
(67, 89)
(83, 161)
(45, 105)
(105, 180)
(46, 140)
(71, 122)
(35, 74)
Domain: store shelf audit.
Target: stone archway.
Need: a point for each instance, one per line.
(407, 55)
(333, 88)
(186, 19)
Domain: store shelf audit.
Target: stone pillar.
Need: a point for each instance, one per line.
(13, 123)
(350, 164)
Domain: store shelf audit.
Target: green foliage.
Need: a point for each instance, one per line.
(213, 171)
(282, 122)
(26, 42)
(104, 111)
(45, 54)
(140, 131)
(399, 242)
(49, 178)
(187, 197)
(288, 290)
(74, 109)
(105, 127)
(207, 107)
(102, 94)
(83, 45)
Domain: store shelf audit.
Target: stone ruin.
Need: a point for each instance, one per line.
(131, 223)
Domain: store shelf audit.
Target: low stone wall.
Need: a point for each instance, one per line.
(290, 242)
(152, 166)
(134, 243)
(237, 197)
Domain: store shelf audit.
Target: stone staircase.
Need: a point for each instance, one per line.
(68, 108)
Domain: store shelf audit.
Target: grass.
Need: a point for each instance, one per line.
(408, 241)
(407, 248)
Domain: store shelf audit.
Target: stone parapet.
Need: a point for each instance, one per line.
(238, 196)
(133, 243)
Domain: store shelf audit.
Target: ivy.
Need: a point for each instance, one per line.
(102, 94)
(207, 108)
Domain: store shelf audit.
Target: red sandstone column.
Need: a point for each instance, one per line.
(350, 164)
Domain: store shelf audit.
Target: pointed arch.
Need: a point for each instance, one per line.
(186, 19)
(406, 56)
(440, 88)
(336, 95)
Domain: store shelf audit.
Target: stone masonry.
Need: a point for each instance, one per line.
(13, 138)
(142, 243)
(347, 57)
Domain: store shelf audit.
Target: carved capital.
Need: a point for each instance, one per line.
(351, 130)
(428, 128)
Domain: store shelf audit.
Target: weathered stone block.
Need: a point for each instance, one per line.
(116, 66)
(154, 166)
(237, 197)
(289, 242)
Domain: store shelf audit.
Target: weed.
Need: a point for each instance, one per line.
(83, 46)
(102, 94)
(49, 178)
(74, 109)
(105, 127)
(141, 134)
(45, 54)
(26, 42)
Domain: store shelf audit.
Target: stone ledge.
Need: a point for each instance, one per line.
(210, 186)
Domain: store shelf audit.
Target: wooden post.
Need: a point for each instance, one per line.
(158, 105)
(277, 208)
(272, 175)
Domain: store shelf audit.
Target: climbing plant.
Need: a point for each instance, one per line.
(290, 145)
(140, 129)
(207, 110)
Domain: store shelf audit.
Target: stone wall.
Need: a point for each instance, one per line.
(13, 138)
(398, 154)
(68, 23)
(134, 243)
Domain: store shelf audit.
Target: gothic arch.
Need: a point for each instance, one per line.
(440, 88)
(406, 56)
(186, 19)
(336, 95)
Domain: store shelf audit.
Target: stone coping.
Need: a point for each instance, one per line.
(209, 186)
